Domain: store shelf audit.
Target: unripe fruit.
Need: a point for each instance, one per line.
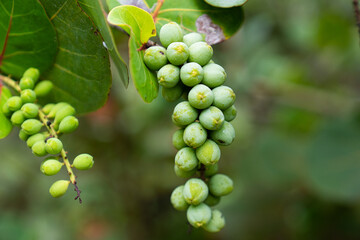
(47, 108)
(59, 188)
(56, 108)
(177, 53)
(186, 159)
(211, 170)
(177, 199)
(38, 149)
(50, 167)
(43, 88)
(26, 83)
(212, 118)
(32, 73)
(225, 135)
(191, 74)
(177, 139)
(17, 118)
(216, 223)
(68, 124)
(200, 96)
(5, 110)
(14, 103)
(183, 174)
(224, 97)
(30, 110)
(212, 200)
(31, 126)
(214, 75)
(200, 52)
(230, 113)
(174, 93)
(83, 162)
(220, 185)
(28, 96)
(34, 138)
(195, 191)
(195, 135)
(184, 114)
(209, 153)
(168, 76)
(155, 57)
(53, 146)
(62, 113)
(170, 32)
(198, 215)
(22, 135)
(192, 38)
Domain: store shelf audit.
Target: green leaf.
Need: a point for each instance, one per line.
(27, 38)
(140, 25)
(95, 10)
(81, 73)
(5, 124)
(226, 3)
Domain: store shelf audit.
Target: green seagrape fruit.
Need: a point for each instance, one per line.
(62, 113)
(212, 118)
(43, 88)
(225, 135)
(47, 108)
(198, 215)
(191, 38)
(184, 114)
(56, 108)
(155, 57)
(195, 135)
(200, 96)
(177, 53)
(211, 170)
(220, 185)
(59, 188)
(26, 83)
(186, 159)
(53, 146)
(183, 174)
(68, 124)
(216, 223)
(178, 140)
(35, 138)
(50, 167)
(191, 74)
(168, 76)
(32, 73)
(177, 199)
(30, 110)
(214, 75)
(83, 161)
(31, 126)
(230, 113)
(209, 153)
(174, 93)
(212, 200)
(22, 135)
(17, 118)
(195, 191)
(224, 97)
(14, 103)
(169, 33)
(28, 96)
(38, 149)
(200, 52)
(5, 110)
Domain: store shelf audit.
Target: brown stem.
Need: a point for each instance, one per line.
(157, 9)
(357, 13)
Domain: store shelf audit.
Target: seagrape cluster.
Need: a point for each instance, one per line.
(185, 69)
(41, 127)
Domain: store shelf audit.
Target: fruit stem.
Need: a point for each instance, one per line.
(10, 82)
(157, 9)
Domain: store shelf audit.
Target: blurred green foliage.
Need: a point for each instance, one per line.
(295, 161)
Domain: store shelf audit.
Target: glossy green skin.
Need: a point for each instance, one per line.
(155, 57)
(200, 96)
(17, 118)
(212, 118)
(14, 103)
(64, 112)
(59, 188)
(177, 139)
(177, 199)
(30, 110)
(32, 73)
(191, 74)
(177, 53)
(5, 110)
(38, 149)
(168, 76)
(195, 135)
(230, 113)
(198, 215)
(28, 96)
(50, 167)
(83, 161)
(69, 124)
(53, 146)
(184, 114)
(34, 138)
(43, 88)
(183, 174)
(209, 153)
(216, 223)
(201, 53)
(26, 83)
(169, 33)
(224, 97)
(56, 108)
(47, 108)
(212, 200)
(191, 38)
(31, 126)
(186, 159)
(225, 135)
(220, 185)
(22, 135)
(214, 75)
(195, 191)
(211, 170)
(174, 93)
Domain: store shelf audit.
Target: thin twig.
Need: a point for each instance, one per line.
(157, 9)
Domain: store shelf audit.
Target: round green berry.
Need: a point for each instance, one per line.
(168, 76)
(5, 110)
(177, 53)
(63, 112)
(17, 118)
(30, 110)
(224, 97)
(28, 96)
(214, 75)
(195, 191)
(43, 88)
(14, 103)
(216, 223)
(212, 200)
(198, 215)
(50, 167)
(177, 139)
(184, 114)
(22, 135)
(200, 52)
(83, 161)
(26, 83)
(174, 93)
(169, 33)
(34, 138)
(220, 185)
(53, 146)
(212, 118)
(177, 199)
(209, 153)
(183, 174)
(56, 108)
(47, 108)
(59, 188)
(230, 113)
(191, 74)
(31, 126)
(195, 135)
(68, 124)
(155, 57)
(32, 73)
(192, 38)
(200, 96)
(38, 149)
(211, 170)
(225, 135)
(186, 159)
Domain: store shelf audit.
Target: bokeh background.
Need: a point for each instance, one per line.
(295, 68)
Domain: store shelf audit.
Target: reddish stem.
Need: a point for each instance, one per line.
(157, 9)
(6, 41)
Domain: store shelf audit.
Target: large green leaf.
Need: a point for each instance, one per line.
(140, 25)
(95, 10)
(81, 73)
(27, 38)
(5, 124)
(226, 3)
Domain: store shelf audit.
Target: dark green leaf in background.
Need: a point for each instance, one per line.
(5, 124)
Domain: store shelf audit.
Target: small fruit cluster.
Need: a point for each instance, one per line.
(204, 121)
(23, 111)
